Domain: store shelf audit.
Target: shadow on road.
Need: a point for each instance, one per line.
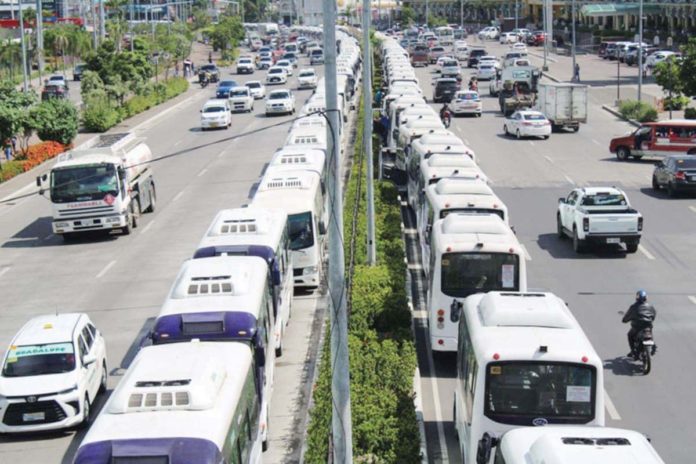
(39, 234)
(563, 249)
(623, 365)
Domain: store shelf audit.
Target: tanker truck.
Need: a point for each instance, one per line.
(104, 184)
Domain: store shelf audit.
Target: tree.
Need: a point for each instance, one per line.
(668, 76)
(56, 119)
(408, 15)
(227, 34)
(687, 67)
(61, 41)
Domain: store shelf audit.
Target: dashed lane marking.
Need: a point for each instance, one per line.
(691, 297)
(49, 237)
(177, 196)
(176, 144)
(693, 208)
(532, 143)
(4, 271)
(548, 159)
(147, 227)
(106, 269)
(596, 142)
(611, 409)
(645, 252)
(203, 171)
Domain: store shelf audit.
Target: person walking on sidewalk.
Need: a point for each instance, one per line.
(576, 73)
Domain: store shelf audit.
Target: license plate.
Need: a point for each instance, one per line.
(648, 342)
(33, 416)
(613, 240)
(213, 124)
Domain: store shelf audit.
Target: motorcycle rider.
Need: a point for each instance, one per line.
(473, 84)
(641, 315)
(445, 112)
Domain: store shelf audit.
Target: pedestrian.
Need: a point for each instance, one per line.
(656, 40)
(210, 57)
(8, 150)
(378, 97)
(384, 119)
(576, 73)
(13, 141)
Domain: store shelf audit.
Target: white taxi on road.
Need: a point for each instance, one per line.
(257, 89)
(466, 102)
(51, 374)
(285, 64)
(216, 114)
(307, 79)
(527, 123)
(280, 101)
(276, 75)
(241, 99)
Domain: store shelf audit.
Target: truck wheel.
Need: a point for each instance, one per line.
(153, 199)
(559, 227)
(578, 245)
(576, 128)
(622, 153)
(69, 236)
(631, 247)
(655, 184)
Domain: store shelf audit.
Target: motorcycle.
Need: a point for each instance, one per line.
(446, 118)
(644, 348)
(204, 80)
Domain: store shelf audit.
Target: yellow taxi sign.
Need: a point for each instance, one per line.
(48, 326)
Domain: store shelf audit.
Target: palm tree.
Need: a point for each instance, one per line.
(10, 57)
(61, 41)
(116, 28)
(80, 44)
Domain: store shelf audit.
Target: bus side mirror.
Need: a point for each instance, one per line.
(485, 445)
(322, 228)
(38, 181)
(455, 310)
(275, 274)
(260, 354)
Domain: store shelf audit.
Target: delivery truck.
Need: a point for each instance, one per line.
(564, 104)
(104, 184)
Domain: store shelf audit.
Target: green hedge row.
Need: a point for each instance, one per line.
(381, 346)
(100, 114)
(638, 110)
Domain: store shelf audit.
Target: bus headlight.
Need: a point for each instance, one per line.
(61, 225)
(309, 270)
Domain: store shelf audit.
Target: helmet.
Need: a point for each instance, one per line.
(641, 296)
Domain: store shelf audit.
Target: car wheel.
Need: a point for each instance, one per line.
(104, 378)
(631, 247)
(546, 137)
(670, 190)
(478, 115)
(86, 413)
(578, 245)
(655, 184)
(622, 153)
(505, 129)
(559, 227)
(518, 135)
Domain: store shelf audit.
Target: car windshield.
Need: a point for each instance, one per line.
(275, 71)
(227, 84)
(283, 63)
(253, 85)
(300, 230)
(278, 96)
(239, 93)
(306, 74)
(57, 78)
(28, 360)
(534, 117)
(467, 96)
(208, 67)
(214, 109)
(245, 61)
(83, 183)
(604, 199)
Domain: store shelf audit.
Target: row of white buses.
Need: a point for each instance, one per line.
(200, 393)
(523, 360)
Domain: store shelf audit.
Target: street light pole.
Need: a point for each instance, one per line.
(461, 14)
(426, 13)
(572, 20)
(24, 49)
(93, 7)
(517, 14)
(640, 50)
(367, 133)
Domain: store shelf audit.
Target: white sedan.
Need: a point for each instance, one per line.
(519, 47)
(307, 79)
(276, 75)
(280, 101)
(466, 102)
(441, 60)
(257, 89)
(486, 71)
(508, 37)
(285, 64)
(527, 123)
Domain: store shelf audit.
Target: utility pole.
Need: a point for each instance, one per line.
(517, 14)
(640, 51)
(130, 26)
(548, 30)
(461, 14)
(152, 18)
(342, 432)
(93, 7)
(12, 9)
(22, 38)
(39, 38)
(367, 134)
(102, 20)
(426, 14)
(572, 20)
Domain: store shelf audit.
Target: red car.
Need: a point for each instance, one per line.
(536, 38)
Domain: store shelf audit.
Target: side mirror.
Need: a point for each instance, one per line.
(89, 359)
(38, 181)
(322, 228)
(485, 445)
(455, 310)
(275, 274)
(562, 200)
(260, 354)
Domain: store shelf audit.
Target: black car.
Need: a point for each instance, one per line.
(54, 91)
(474, 56)
(445, 88)
(77, 72)
(212, 70)
(675, 173)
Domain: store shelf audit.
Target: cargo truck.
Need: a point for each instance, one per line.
(104, 184)
(564, 104)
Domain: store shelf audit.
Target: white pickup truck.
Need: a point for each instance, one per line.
(599, 216)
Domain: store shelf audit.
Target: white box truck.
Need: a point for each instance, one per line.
(564, 104)
(104, 184)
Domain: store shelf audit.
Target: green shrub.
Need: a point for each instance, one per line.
(9, 169)
(647, 114)
(690, 113)
(676, 102)
(56, 120)
(638, 111)
(99, 115)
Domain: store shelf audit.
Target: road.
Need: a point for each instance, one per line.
(121, 281)
(530, 175)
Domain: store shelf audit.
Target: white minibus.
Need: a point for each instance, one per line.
(179, 404)
(522, 360)
(445, 35)
(564, 444)
(299, 193)
(262, 233)
(469, 253)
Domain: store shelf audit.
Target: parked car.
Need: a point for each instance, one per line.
(659, 56)
(602, 50)
(216, 114)
(54, 91)
(280, 101)
(52, 372)
(508, 38)
(466, 102)
(445, 88)
(78, 71)
(257, 89)
(241, 99)
(526, 123)
(223, 89)
(675, 174)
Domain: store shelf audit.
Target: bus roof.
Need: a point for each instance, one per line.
(246, 226)
(221, 283)
(577, 445)
(294, 192)
(297, 157)
(466, 232)
(526, 326)
(169, 387)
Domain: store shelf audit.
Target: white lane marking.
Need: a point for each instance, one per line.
(4, 271)
(147, 227)
(569, 179)
(466, 142)
(176, 144)
(691, 297)
(178, 195)
(438, 410)
(203, 171)
(596, 142)
(693, 208)
(527, 256)
(548, 159)
(221, 154)
(611, 409)
(48, 237)
(106, 269)
(645, 252)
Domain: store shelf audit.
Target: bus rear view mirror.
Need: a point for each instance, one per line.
(485, 445)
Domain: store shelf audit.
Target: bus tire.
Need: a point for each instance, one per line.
(559, 227)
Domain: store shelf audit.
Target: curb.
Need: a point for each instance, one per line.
(548, 57)
(419, 416)
(549, 76)
(611, 110)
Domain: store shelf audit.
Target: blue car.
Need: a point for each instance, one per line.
(223, 89)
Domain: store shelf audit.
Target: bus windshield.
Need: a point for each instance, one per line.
(300, 230)
(83, 183)
(464, 274)
(521, 392)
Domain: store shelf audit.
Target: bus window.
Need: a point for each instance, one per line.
(300, 230)
(519, 391)
(466, 273)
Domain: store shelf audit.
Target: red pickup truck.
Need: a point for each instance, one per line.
(419, 55)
